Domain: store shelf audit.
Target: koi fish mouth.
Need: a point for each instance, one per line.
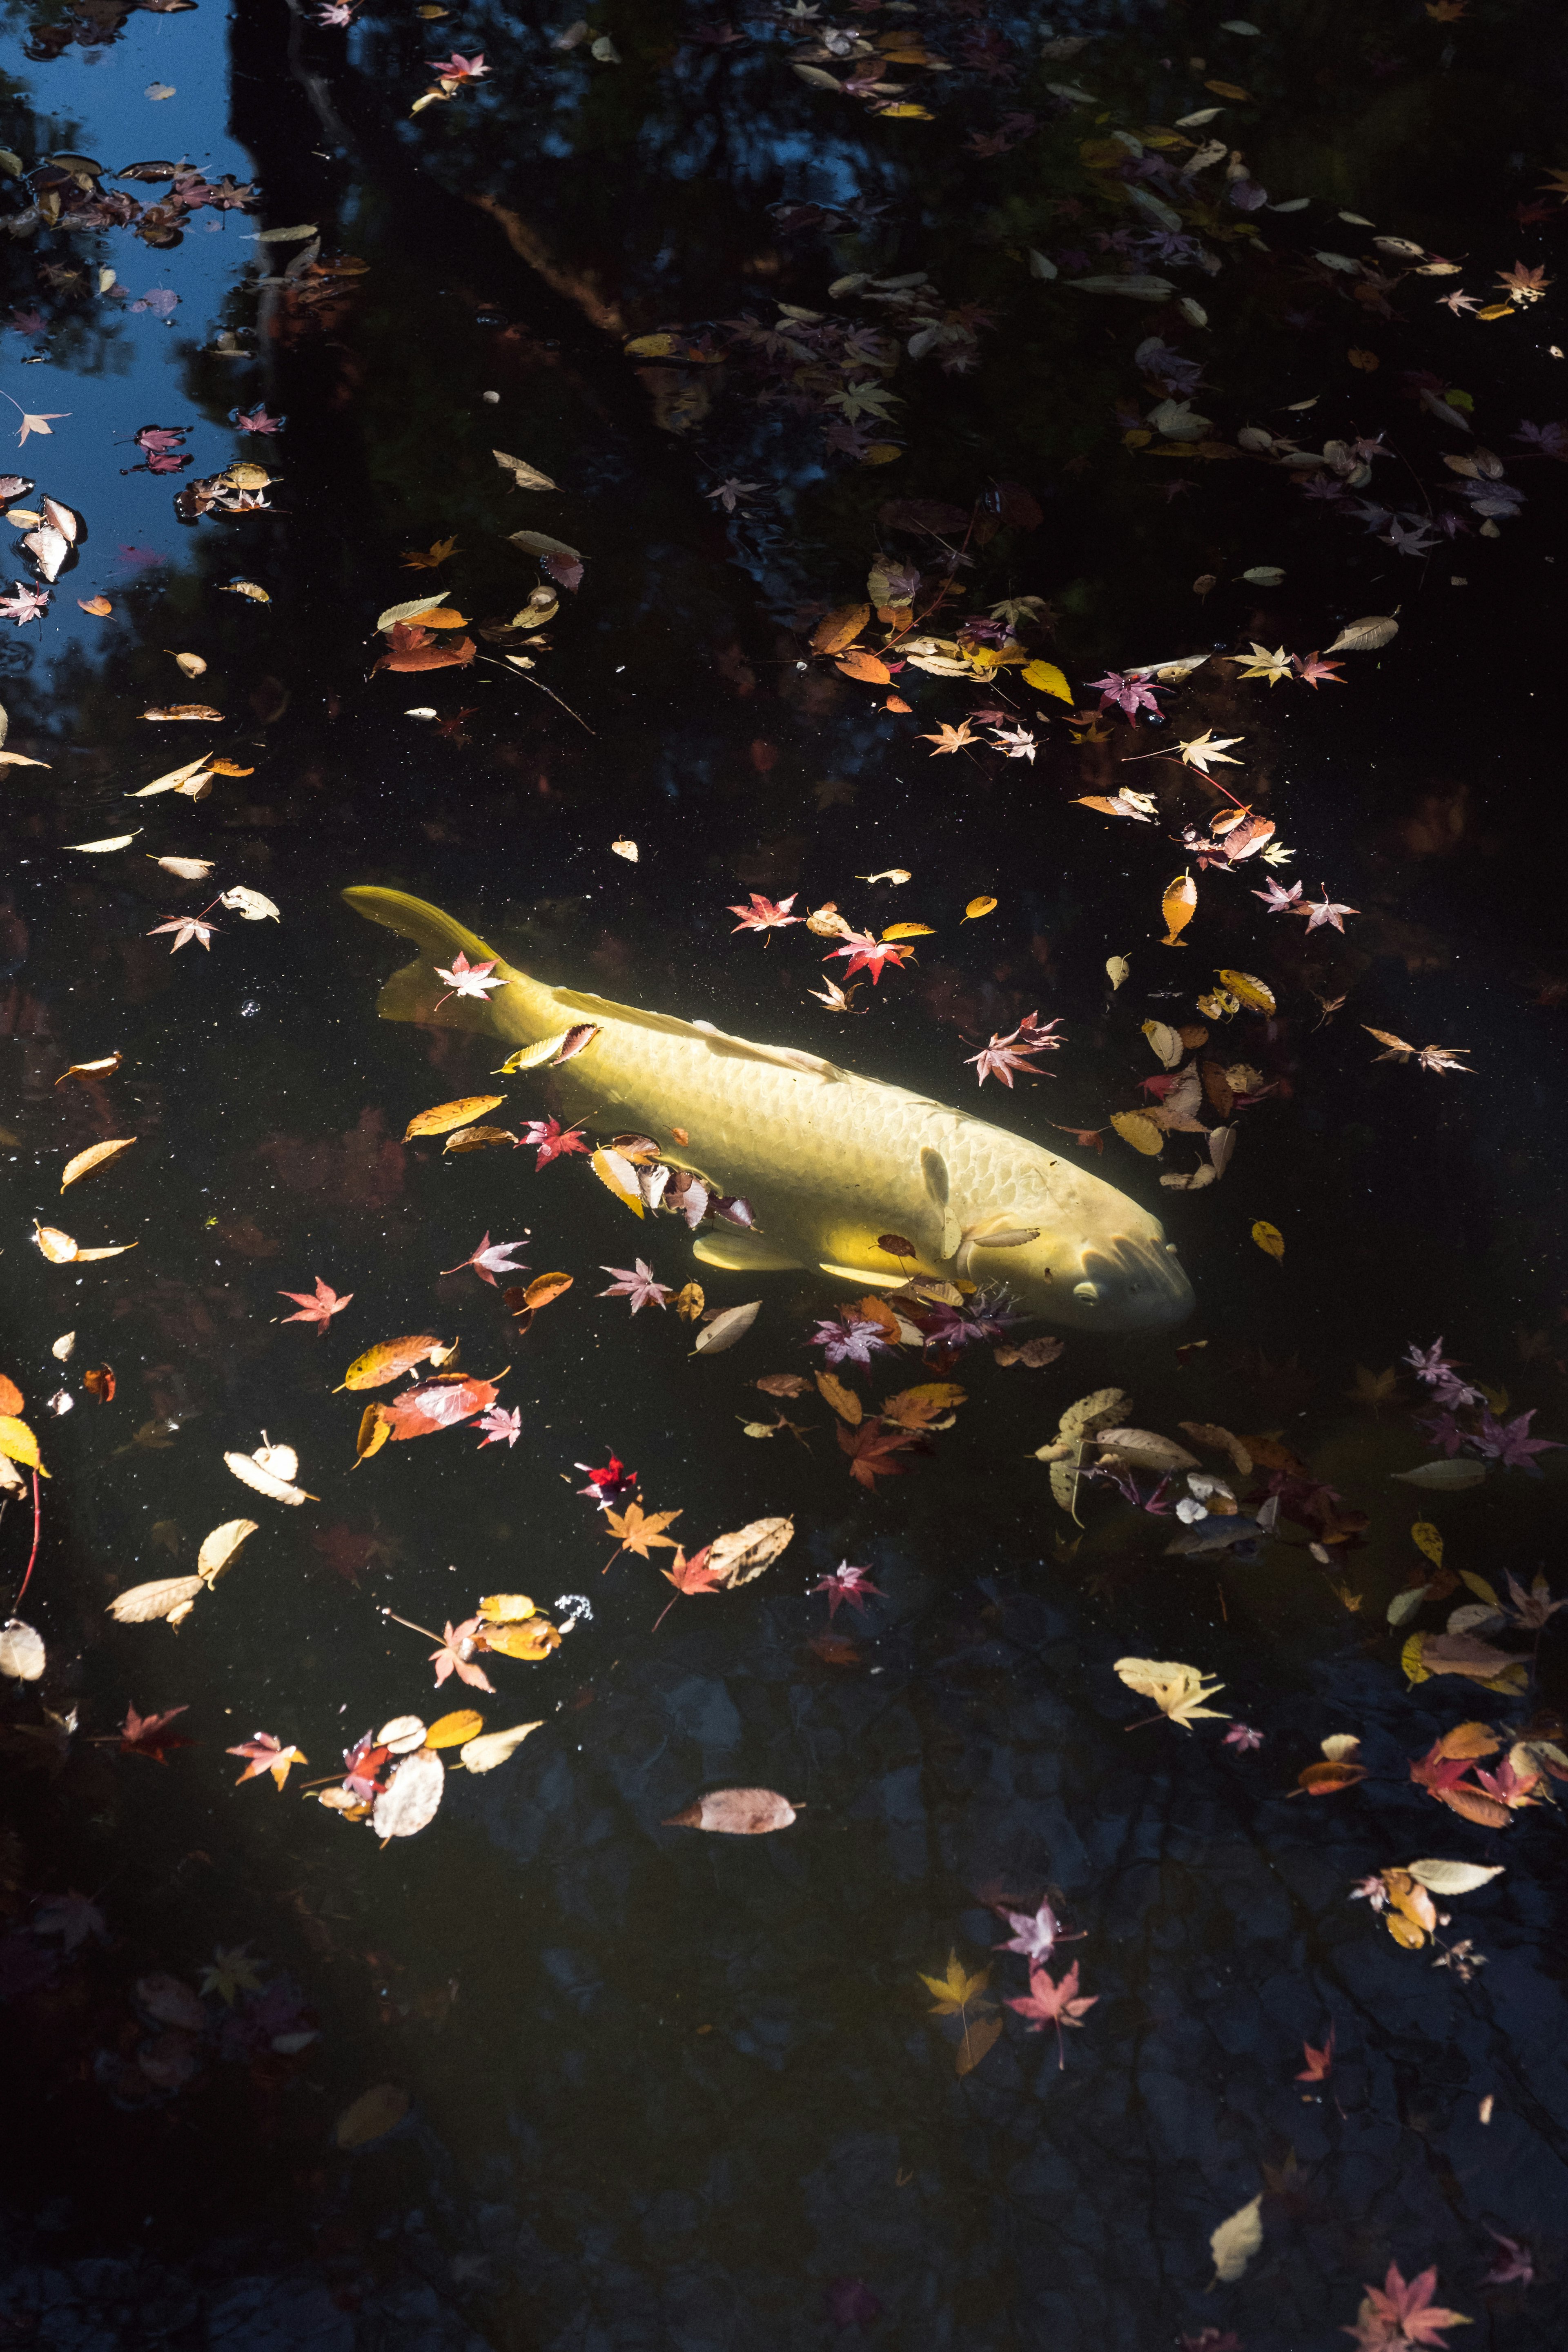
(1132, 1286)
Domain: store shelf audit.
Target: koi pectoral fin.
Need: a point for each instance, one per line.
(879, 1280)
(743, 1254)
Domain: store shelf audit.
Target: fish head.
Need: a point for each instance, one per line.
(1097, 1262)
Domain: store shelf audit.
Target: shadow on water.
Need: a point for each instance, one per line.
(629, 2084)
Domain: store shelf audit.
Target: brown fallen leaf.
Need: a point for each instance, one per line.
(97, 1155)
(103, 1068)
(736, 1812)
(843, 1399)
(445, 1116)
(384, 1361)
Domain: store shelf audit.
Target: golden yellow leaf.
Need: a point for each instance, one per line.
(17, 1443)
(1177, 909)
(976, 907)
(691, 1302)
(1410, 1660)
(373, 2114)
(843, 1399)
(1136, 1127)
(452, 1730)
(533, 1639)
(957, 1988)
(909, 931)
(1427, 1538)
(507, 1608)
(617, 1175)
(1252, 992)
(545, 1288)
(446, 1115)
(97, 1155)
(387, 1358)
(1048, 679)
(839, 628)
(1269, 1237)
(375, 1429)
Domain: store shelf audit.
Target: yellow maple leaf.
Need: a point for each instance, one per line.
(431, 558)
(231, 1971)
(956, 1990)
(638, 1528)
(1176, 1690)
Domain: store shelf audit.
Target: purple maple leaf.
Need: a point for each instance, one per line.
(637, 1285)
(1131, 695)
(256, 420)
(162, 301)
(1436, 1372)
(848, 1340)
(846, 1583)
(501, 1427)
(1510, 1443)
(1036, 1934)
(487, 1261)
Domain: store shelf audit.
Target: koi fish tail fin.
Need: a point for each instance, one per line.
(419, 993)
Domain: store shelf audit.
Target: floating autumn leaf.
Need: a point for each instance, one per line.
(270, 1471)
(972, 913)
(61, 1249)
(1255, 994)
(637, 1530)
(97, 1155)
(956, 1990)
(740, 1556)
(103, 1068)
(22, 1654)
(1047, 679)
(443, 1401)
(18, 1444)
(839, 628)
(252, 906)
(386, 1359)
(564, 1046)
(493, 1748)
(714, 1337)
(203, 711)
(452, 1730)
(1365, 636)
(269, 1755)
(149, 1735)
(99, 606)
(446, 1115)
(166, 1596)
(1240, 2236)
(843, 1400)
(372, 2116)
(1452, 1877)
(524, 477)
(545, 1288)
(1268, 1238)
(1176, 1690)
(1338, 1770)
(110, 841)
(931, 1406)
(221, 1545)
(871, 1449)
(1177, 909)
(1136, 1127)
(410, 1801)
(736, 1812)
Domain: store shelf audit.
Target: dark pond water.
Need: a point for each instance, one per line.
(637, 2086)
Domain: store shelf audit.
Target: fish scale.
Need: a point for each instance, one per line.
(828, 1160)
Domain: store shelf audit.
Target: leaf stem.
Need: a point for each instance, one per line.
(33, 1555)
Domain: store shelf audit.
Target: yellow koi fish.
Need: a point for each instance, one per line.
(828, 1161)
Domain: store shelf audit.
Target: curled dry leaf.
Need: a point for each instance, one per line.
(104, 1067)
(493, 1748)
(402, 1735)
(1176, 1690)
(62, 1249)
(1452, 1877)
(253, 1472)
(724, 1331)
(250, 904)
(409, 1802)
(189, 870)
(1367, 636)
(22, 1654)
(446, 1115)
(738, 1558)
(372, 2116)
(97, 1155)
(166, 1596)
(843, 1399)
(387, 1358)
(221, 1545)
(1236, 2239)
(524, 475)
(736, 1812)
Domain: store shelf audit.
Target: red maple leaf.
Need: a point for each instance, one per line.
(870, 1449)
(1049, 2003)
(867, 954)
(1395, 2313)
(148, 1735)
(438, 1404)
(268, 1755)
(1318, 2062)
(764, 915)
(318, 1307)
(450, 1658)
